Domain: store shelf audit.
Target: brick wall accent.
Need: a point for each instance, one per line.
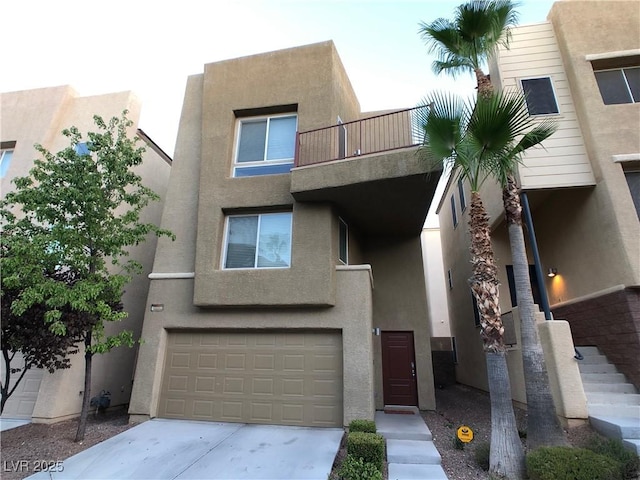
(612, 323)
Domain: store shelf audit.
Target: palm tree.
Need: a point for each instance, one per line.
(470, 140)
(464, 45)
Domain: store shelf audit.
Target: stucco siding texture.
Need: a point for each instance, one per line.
(352, 315)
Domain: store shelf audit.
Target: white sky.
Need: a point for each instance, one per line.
(150, 47)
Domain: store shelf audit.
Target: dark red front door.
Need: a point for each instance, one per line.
(399, 369)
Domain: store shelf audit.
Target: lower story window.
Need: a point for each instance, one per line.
(258, 241)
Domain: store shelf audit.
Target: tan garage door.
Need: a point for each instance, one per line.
(283, 377)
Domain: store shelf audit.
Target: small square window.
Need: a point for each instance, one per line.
(344, 242)
(265, 145)
(258, 241)
(541, 99)
(82, 148)
(463, 200)
(454, 214)
(620, 85)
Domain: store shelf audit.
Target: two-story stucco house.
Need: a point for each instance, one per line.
(580, 68)
(39, 116)
(294, 293)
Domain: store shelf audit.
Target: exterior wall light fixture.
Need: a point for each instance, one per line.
(157, 307)
(376, 331)
(552, 272)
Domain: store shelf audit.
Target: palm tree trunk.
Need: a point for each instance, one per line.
(506, 459)
(483, 83)
(507, 455)
(543, 426)
(86, 396)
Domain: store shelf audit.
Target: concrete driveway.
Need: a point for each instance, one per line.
(179, 449)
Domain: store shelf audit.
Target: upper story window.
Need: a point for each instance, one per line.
(619, 85)
(454, 214)
(265, 145)
(258, 241)
(463, 200)
(5, 159)
(82, 148)
(541, 99)
(343, 249)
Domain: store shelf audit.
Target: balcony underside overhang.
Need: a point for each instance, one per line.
(386, 194)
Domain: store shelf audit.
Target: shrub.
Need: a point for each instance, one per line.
(368, 446)
(357, 469)
(362, 426)
(615, 449)
(566, 463)
(481, 454)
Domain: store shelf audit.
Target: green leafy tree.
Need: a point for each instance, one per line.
(77, 213)
(473, 140)
(464, 45)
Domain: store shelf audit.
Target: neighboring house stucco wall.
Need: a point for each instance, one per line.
(39, 116)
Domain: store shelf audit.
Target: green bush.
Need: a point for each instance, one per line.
(357, 469)
(362, 426)
(566, 463)
(481, 454)
(615, 449)
(368, 446)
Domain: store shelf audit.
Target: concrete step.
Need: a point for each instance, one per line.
(632, 444)
(405, 471)
(617, 427)
(593, 360)
(610, 410)
(613, 398)
(588, 350)
(609, 387)
(603, 378)
(402, 426)
(412, 451)
(597, 368)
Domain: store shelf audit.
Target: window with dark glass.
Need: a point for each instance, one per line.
(454, 214)
(344, 242)
(265, 145)
(463, 200)
(258, 241)
(619, 85)
(633, 180)
(541, 99)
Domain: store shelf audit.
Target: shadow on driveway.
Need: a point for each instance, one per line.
(179, 449)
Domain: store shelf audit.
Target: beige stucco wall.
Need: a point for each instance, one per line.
(436, 282)
(400, 304)
(39, 116)
(352, 314)
(317, 85)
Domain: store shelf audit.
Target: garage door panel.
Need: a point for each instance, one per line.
(276, 378)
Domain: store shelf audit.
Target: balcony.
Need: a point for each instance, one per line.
(369, 169)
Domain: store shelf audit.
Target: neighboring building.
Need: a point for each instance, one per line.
(39, 116)
(436, 283)
(294, 292)
(580, 68)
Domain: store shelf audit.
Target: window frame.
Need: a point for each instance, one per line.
(463, 199)
(6, 155)
(341, 222)
(553, 91)
(236, 147)
(225, 244)
(454, 214)
(625, 79)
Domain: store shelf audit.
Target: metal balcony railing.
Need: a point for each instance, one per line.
(390, 131)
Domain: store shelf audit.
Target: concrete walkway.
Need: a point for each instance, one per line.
(411, 454)
(9, 423)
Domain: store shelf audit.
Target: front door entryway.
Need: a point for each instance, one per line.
(399, 369)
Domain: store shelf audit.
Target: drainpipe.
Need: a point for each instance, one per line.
(526, 213)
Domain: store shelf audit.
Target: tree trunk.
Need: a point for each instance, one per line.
(507, 455)
(543, 425)
(483, 83)
(506, 459)
(86, 397)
